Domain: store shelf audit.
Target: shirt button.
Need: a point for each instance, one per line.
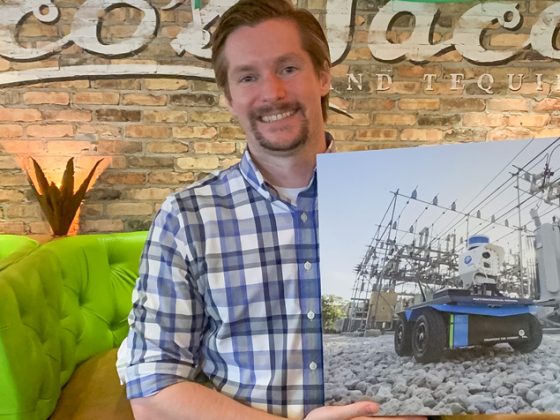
(304, 217)
(307, 266)
(312, 365)
(311, 315)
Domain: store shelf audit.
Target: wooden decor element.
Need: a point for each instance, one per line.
(60, 203)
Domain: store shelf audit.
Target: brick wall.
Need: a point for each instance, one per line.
(157, 134)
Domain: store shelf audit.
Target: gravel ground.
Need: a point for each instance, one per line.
(473, 381)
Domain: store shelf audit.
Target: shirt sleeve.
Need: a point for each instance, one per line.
(167, 317)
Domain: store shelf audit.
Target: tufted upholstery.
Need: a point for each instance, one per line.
(13, 247)
(62, 303)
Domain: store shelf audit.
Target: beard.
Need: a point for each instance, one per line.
(296, 142)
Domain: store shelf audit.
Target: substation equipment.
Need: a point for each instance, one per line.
(469, 296)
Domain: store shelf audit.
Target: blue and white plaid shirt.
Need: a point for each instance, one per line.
(229, 286)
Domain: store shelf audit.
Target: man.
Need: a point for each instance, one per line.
(229, 278)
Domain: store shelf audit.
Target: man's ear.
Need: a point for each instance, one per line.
(227, 97)
(325, 79)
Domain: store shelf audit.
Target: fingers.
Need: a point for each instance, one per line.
(391, 418)
(362, 410)
(344, 412)
(402, 418)
(357, 409)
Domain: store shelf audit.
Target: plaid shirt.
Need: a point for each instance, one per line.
(229, 286)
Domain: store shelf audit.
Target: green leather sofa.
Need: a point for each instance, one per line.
(63, 313)
(63, 307)
(13, 247)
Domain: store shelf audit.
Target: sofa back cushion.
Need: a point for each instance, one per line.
(64, 302)
(13, 247)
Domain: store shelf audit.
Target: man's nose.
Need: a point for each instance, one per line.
(273, 88)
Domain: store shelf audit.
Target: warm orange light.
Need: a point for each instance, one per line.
(53, 166)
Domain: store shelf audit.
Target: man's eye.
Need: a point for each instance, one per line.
(289, 69)
(247, 79)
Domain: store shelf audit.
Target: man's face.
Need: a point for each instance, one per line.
(275, 90)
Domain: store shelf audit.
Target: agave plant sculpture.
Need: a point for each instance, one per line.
(60, 204)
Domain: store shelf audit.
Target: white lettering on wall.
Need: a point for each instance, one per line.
(352, 79)
(539, 82)
(339, 20)
(485, 82)
(418, 47)
(456, 80)
(84, 29)
(544, 31)
(11, 16)
(469, 31)
(469, 34)
(510, 81)
(428, 79)
(384, 82)
(194, 39)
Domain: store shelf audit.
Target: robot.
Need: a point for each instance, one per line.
(475, 315)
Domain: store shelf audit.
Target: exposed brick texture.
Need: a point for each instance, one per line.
(158, 134)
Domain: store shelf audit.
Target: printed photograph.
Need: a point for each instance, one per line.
(440, 277)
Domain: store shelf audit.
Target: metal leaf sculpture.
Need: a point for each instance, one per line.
(60, 205)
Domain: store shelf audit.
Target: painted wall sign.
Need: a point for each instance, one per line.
(467, 35)
(485, 82)
(194, 39)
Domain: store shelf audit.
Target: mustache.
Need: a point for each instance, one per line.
(275, 109)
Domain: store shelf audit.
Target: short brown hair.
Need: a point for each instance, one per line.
(253, 12)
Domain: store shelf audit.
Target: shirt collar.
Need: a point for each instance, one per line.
(252, 174)
(250, 171)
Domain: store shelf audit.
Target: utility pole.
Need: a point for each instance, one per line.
(520, 239)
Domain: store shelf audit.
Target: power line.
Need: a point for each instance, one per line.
(503, 184)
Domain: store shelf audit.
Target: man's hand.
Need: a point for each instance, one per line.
(355, 411)
(344, 412)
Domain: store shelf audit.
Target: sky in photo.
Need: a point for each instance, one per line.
(356, 189)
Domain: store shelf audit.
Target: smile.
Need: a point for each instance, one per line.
(277, 117)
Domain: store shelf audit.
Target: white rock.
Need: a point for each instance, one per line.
(500, 380)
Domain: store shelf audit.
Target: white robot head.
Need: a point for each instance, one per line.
(479, 266)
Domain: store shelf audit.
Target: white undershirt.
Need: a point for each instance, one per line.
(289, 194)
